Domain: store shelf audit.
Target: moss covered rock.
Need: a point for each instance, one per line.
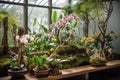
(4, 65)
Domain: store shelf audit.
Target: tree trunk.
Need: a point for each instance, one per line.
(5, 37)
(86, 25)
(14, 34)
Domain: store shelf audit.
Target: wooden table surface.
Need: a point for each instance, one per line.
(73, 71)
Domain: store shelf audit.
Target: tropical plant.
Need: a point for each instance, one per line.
(97, 61)
(14, 65)
(41, 42)
(11, 22)
(55, 63)
(99, 12)
(87, 10)
(41, 62)
(63, 30)
(4, 22)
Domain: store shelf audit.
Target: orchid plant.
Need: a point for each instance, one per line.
(22, 39)
(63, 30)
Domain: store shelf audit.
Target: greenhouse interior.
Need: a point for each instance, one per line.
(59, 40)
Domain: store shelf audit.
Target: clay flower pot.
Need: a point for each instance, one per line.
(41, 73)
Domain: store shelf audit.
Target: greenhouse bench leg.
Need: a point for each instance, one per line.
(87, 76)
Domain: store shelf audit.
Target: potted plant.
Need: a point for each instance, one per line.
(97, 60)
(17, 64)
(55, 66)
(93, 47)
(42, 67)
(16, 71)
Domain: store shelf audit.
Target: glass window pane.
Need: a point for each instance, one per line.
(41, 14)
(16, 15)
(38, 2)
(59, 3)
(73, 2)
(17, 1)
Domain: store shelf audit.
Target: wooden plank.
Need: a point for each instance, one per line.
(73, 71)
(82, 70)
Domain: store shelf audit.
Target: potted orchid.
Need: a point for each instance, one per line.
(17, 65)
(42, 67)
(63, 31)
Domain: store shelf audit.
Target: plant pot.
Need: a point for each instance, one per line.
(41, 73)
(55, 71)
(17, 74)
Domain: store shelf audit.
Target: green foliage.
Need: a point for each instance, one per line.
(74, 60)
(3, 14)
(12, 24)
(39, 44)
(97, 60)
(90, 7)
(74, 24)
(54, 16)
(55, 63)
(4, 61)
(35, 21)
(67, 9)
(13, 63)
(44, 29)
(13, 20)
(41, 61)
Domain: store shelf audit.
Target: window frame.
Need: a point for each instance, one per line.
(25, 5)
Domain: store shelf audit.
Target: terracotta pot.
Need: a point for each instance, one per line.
(41, 73)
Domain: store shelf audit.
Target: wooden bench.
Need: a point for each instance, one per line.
(79, 71)
(75, 71)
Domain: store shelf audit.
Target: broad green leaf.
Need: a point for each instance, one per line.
(74, 24)
(54, 16)
(35, 21)
(44, 28)
(28, 29)
(44, 56)
(61, 16)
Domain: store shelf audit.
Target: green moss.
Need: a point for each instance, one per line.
(4, 62)
(75, 60)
